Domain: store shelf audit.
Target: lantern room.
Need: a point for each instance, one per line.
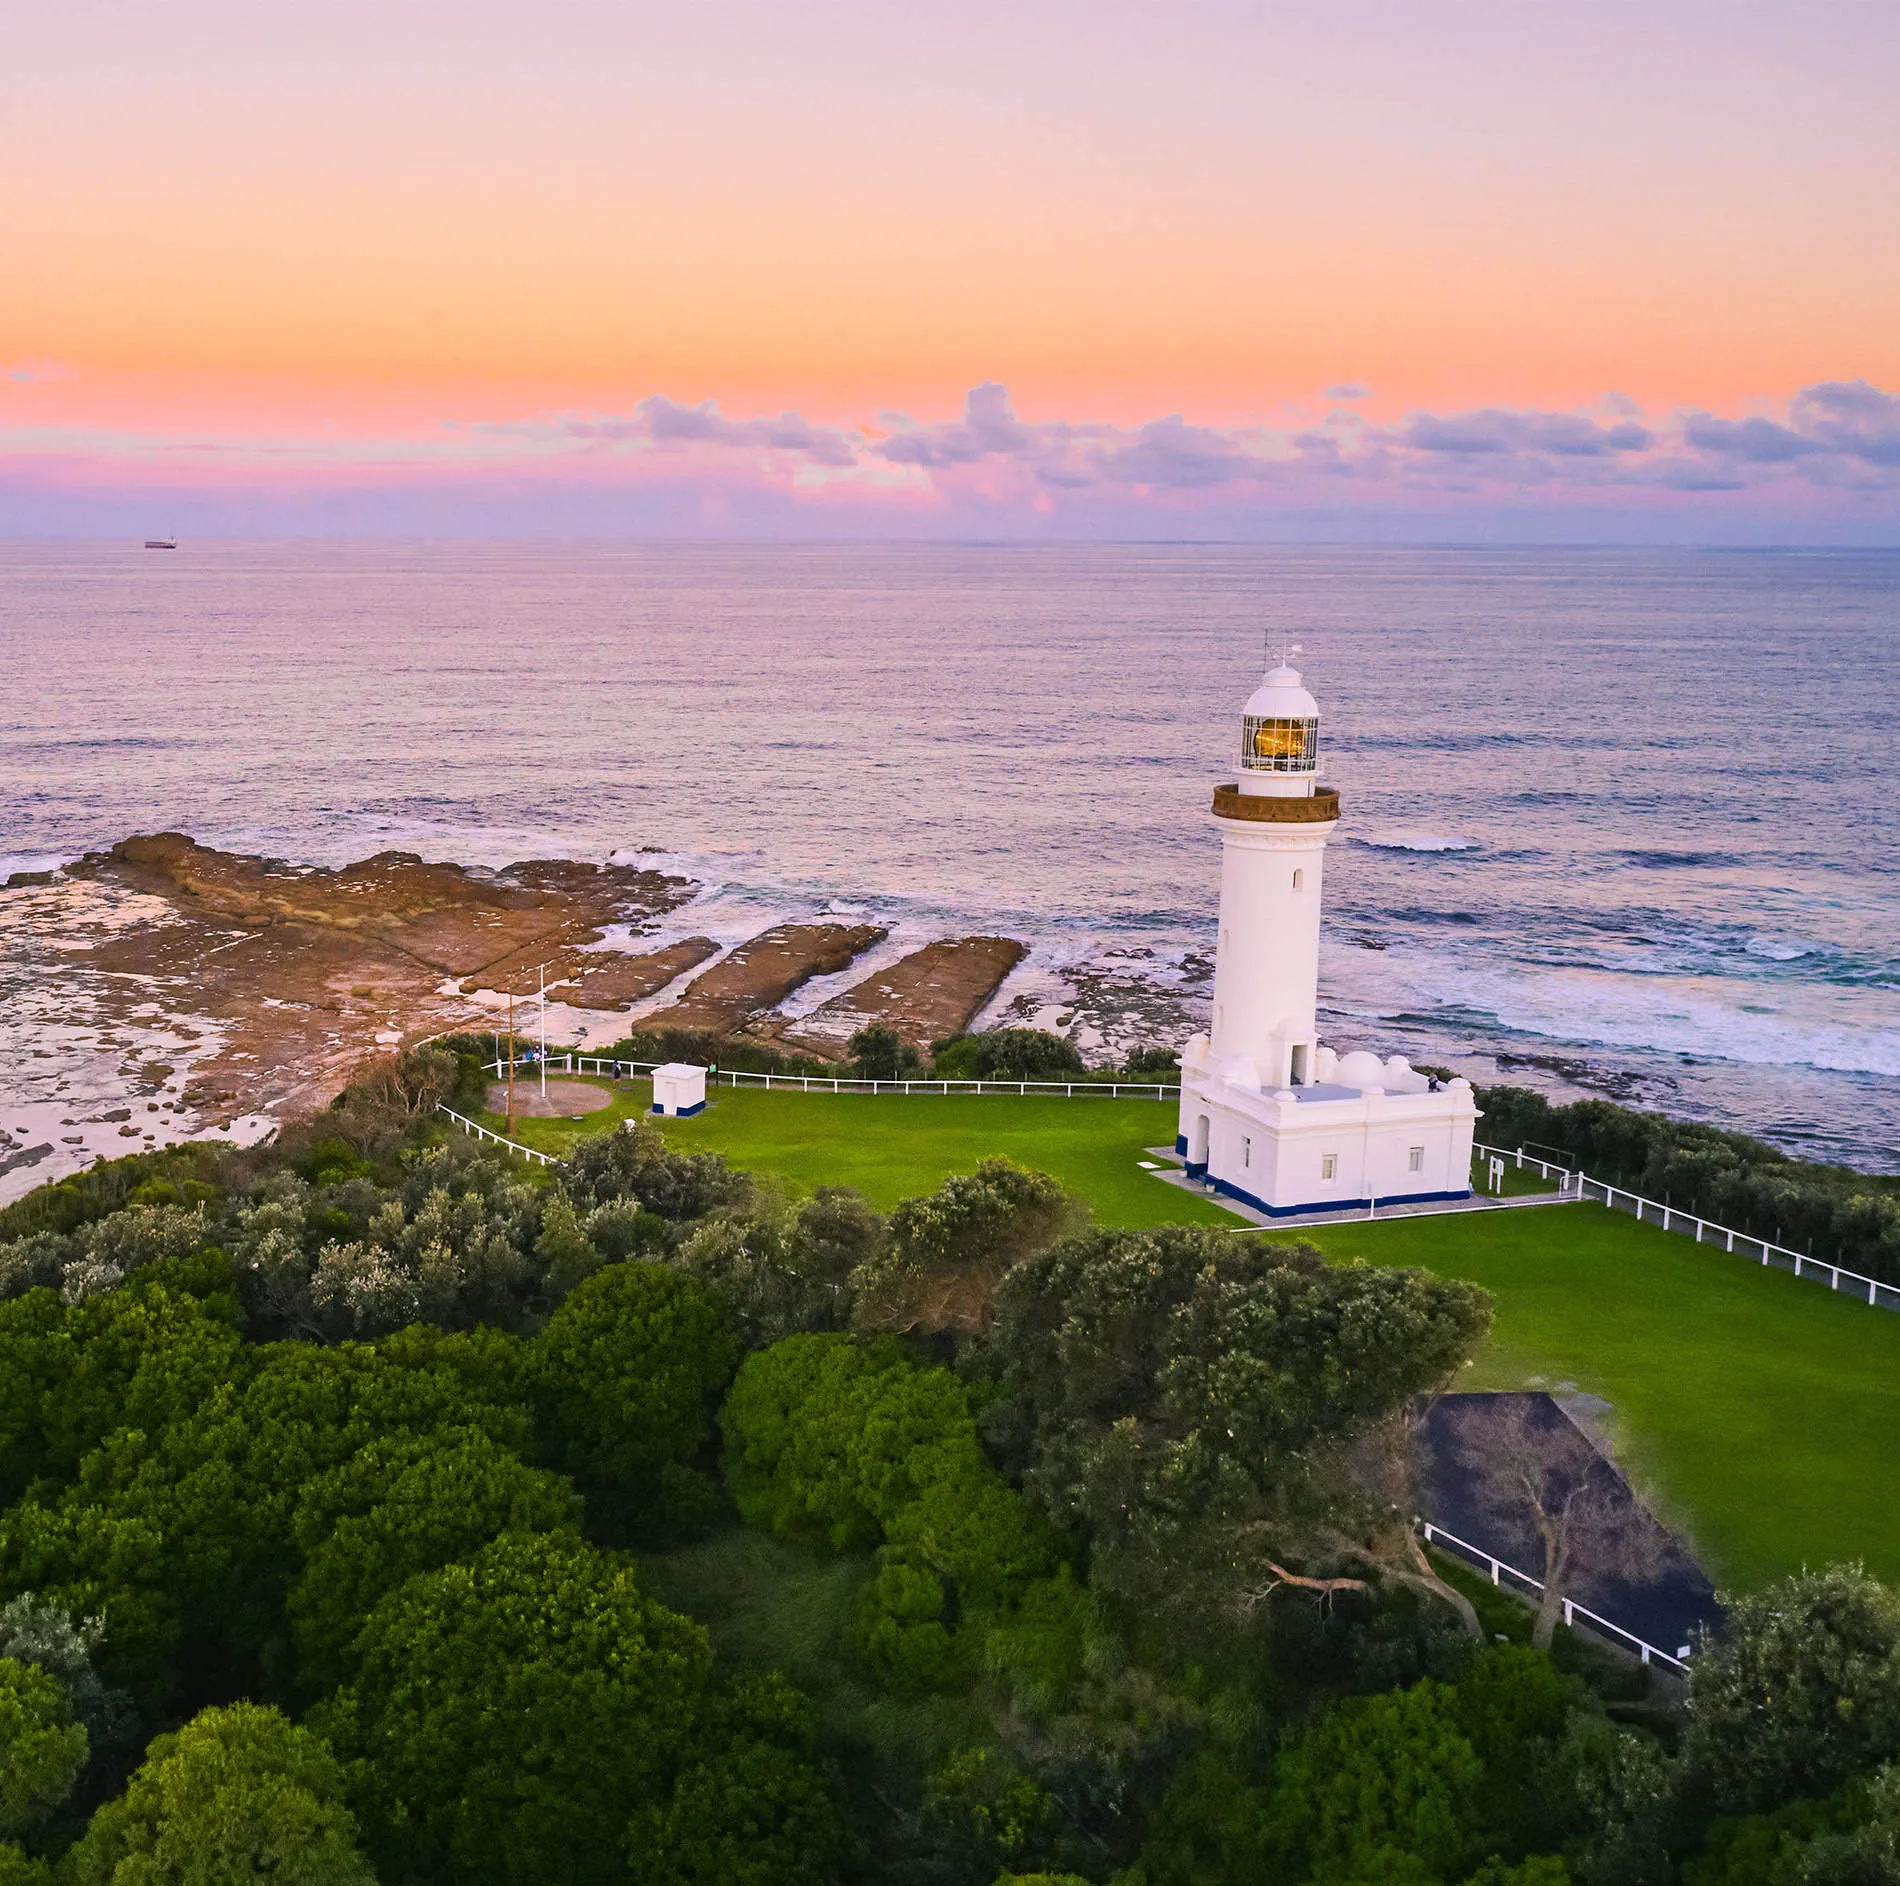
(1279, 736)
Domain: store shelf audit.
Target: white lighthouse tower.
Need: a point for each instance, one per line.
(1268, 1115)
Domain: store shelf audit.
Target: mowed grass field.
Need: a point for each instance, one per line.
(893, 1147)
(1760, 1413)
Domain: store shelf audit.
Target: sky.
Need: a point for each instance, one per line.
(1441, 270)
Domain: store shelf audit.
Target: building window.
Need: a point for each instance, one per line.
(1329, 1165)
(1246, 1152)
(1415, 1159)
(1279, 746)
(1299, 880)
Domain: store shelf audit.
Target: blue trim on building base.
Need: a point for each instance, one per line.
(1180, 1144)
(682, 1113)
(1227, 1189)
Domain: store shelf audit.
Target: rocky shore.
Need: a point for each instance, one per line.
(166, 988)
(932, 993)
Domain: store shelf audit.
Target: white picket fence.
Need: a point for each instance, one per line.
(1868, 1290)
(1437, 1535)
(482, 1132)
(567, 1063)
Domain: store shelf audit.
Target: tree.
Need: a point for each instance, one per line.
(846, 1444)
(1541, 1481)
(237, 1794)
(882, 1054)
(180, 1538)
(17, 1870)
(563, 1250)
(751, 1806)
(42, 1749)
(827, 1440)
(787, 1275)
(949, 1249)
(137, 1357)
(1212, 1410)
(1380, 1782)
(32, 1632)
(513, 1710)
(625, 1378)
(1799, 1693)
(1008, 1054)
(634, 1162)
(401, 1506)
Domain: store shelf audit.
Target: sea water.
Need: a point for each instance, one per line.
(1616, 821)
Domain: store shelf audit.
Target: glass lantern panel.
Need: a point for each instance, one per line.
(1279, 746)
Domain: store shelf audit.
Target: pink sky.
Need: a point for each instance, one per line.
(1243, 269)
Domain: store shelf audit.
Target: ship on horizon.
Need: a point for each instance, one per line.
(161, 543)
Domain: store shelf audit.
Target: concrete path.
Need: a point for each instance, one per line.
(1293, 1221)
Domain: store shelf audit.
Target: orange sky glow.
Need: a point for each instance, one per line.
(328, 236)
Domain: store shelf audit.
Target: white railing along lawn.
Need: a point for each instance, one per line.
(1437, 1535)
(824, 1084)
(1868, 1290)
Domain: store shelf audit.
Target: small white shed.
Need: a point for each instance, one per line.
(679, 1089)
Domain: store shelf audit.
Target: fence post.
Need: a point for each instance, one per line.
(1570, 1611)
(1494, 1571)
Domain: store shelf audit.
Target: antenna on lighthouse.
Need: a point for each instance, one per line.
(1288, 650)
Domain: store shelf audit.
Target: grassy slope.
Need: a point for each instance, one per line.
(1761, 1413)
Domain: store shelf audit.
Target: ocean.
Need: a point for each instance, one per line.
(1615, 821)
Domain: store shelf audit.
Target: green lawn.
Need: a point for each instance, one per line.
(1760, 1413)
(891, 1147)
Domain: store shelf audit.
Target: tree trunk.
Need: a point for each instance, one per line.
(1550, 1608)
(1422, 1578)
(1550, 1612)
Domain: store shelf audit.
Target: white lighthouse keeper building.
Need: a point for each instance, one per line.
(1269, 1116)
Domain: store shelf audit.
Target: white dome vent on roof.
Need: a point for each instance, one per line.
(1361, 1069)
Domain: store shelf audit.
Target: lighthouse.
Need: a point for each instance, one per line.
(1269, 1115)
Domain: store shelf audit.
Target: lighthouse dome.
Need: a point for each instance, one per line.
(1281, 696)
(1279, 729)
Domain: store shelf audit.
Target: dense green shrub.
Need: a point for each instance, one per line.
(397, 1507)
(827, 1440)
(1007, 1054)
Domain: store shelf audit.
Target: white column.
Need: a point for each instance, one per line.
(1266, 965)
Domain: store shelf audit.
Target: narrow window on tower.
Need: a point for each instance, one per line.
(1246, 1152)
(1299, 880)
(1415, 1159)
(1329, 1165)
